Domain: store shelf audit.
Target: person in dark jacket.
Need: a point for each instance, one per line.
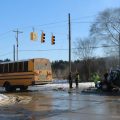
(70, 79)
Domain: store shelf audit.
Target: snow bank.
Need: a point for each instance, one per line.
(12, 99)
(3, 97)
(66, 85)
(62, 86)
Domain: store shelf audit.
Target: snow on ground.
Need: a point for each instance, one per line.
(58, 86)
(12, 99)
(66, 85)
(3, 97)
(62, 86)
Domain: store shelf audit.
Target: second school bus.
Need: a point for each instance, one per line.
(21, 74)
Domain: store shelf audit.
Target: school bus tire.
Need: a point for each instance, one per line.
(23, 88)
(8, 87)
(13, 88)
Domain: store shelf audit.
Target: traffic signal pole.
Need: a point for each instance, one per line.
(119, 50)
(14, 52)
(69, 32)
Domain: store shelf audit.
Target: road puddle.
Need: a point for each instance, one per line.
(50, 105)
(25, 106)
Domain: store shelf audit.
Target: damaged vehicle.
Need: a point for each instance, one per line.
(111, 81)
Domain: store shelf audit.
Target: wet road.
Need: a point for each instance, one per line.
(61, 105)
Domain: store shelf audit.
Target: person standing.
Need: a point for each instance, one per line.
(70, 79)
(77, 78)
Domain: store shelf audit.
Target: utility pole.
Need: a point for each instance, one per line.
(14, 52)
(69, 32)
(119, 49)
(17, 32)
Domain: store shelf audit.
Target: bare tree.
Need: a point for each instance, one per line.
(107, 28)
(84, 50)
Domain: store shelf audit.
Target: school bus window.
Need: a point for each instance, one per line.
(25, 66)
(47, 66)
(20, 67)
(6, 68)
(15, 67)
(1, 68)
(10, 67)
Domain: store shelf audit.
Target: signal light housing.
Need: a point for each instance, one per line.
(33, 36)
(53, 40)
(42, 37)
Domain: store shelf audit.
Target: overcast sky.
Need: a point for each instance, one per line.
(50, 16)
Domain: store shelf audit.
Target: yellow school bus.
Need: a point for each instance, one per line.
(24, 73)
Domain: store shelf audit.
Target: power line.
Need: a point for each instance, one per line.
(6, 54)
(5, 33)
(94, 22)
(57, 22)
(46, 24)
(91, 16)
(43, 50)
(64, 49)
(31, 26)
(53, 23)
(94, 47)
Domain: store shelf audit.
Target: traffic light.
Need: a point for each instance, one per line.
(33, 36)
(42, 37)
(53, 40)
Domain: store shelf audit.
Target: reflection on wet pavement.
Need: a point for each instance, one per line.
(60, 105)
